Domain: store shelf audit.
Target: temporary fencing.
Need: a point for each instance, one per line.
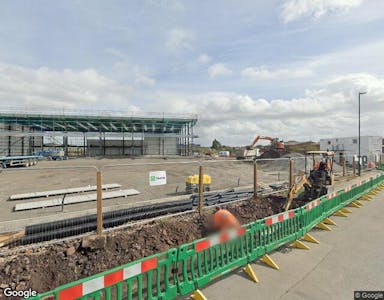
(191, 266)
(148, 278)
(273, 171)
(204, 260)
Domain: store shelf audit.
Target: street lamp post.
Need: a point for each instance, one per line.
(359, 154)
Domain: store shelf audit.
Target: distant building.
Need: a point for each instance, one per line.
(371, 148)
(96, 134)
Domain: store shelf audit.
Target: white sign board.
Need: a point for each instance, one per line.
(157, 178)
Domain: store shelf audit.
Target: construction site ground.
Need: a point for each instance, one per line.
(349, 258)
(48, 266)
(225, 175)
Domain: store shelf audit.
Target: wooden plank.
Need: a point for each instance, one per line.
(8, 238)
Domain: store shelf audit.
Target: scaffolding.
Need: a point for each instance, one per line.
(96, 133)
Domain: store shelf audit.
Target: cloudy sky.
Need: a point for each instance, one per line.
(286, 68)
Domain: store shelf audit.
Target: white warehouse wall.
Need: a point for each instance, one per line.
(370, 147)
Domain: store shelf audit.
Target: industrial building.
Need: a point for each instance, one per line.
(96, 134)
(371, 148)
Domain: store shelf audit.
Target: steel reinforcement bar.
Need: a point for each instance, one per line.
(180, 271)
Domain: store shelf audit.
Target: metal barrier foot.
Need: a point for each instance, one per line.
(328, 221)
(309, 238)
(269, 261)
(346, 210)
(198, 295)
(340, 214)
(249, 271)
(321, 225)
(300, 245)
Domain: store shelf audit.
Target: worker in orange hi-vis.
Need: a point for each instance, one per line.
(224, 220)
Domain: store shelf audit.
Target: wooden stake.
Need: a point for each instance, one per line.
(99, 204)
(291, 167)
(255, 180)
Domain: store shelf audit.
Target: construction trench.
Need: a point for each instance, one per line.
(44, 268)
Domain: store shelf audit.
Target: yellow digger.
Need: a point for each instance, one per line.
(315, 185)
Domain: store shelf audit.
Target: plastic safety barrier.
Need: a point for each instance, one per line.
(182, 270)
(150, 278)
(281, 229)
(206, 259)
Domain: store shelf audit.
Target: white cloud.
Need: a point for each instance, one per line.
(143, 80)
(328, 111)
(204, 59)
(44, 87)
(133, 73)
(295, 9)
(233, 118)
(319, 68)
(179, 39)
(265, 73)
(218, 70)
(116, 53)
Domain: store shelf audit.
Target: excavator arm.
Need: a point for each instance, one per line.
(300, 182)
(259, 137)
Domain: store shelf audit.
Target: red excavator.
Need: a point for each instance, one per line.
(274, 151)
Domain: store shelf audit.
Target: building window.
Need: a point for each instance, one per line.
(354, 141)
(329, 142)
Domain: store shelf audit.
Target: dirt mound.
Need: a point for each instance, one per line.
(45, 268)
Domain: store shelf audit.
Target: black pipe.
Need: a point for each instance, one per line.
(75, 226)
(55, 225)
(91, 226)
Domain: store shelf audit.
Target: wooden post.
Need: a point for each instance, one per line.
(255, 179)
(291, 167)
(99, 204)
(354, 167)
(344, 167)
(201, 190)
